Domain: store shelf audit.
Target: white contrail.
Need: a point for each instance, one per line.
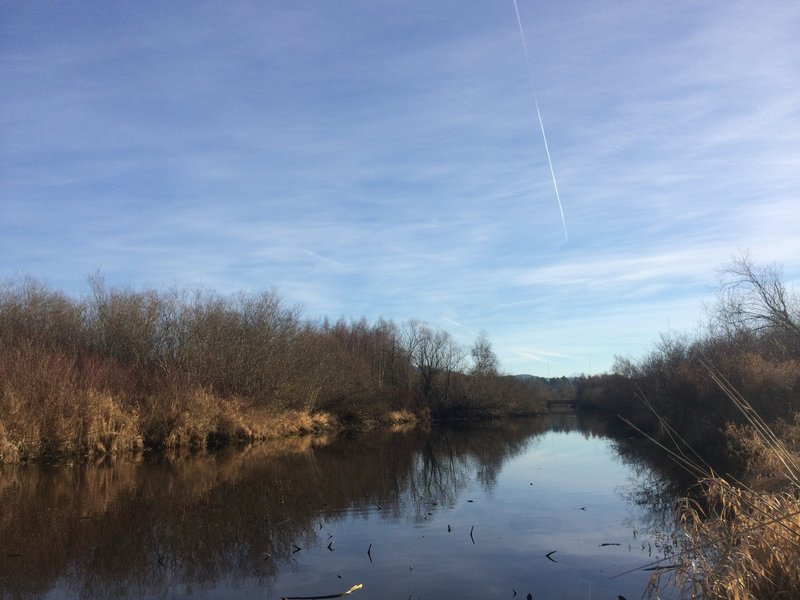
(539, 114)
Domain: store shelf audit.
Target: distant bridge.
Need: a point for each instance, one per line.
(562, 405)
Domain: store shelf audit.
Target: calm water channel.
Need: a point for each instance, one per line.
(448, 513)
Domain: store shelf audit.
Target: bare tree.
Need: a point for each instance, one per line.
(484, 359)
(435, 356)
(754, 297)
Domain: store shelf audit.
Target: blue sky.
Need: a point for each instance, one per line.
(384, 158)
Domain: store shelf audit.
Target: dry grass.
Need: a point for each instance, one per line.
(9, 452)
(766, 469)
(106, 426)
(267, 425)
(58, 414)
(119, 370)
(747, 547)
(743, 543)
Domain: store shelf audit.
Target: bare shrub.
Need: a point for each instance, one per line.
(122, 368)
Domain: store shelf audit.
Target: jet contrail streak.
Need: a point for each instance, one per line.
(539, 115)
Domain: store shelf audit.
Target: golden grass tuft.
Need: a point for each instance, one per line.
(747, 547)
(268, 425)
(192, 418)
(104, 427)
(9, 453)
(765, 468)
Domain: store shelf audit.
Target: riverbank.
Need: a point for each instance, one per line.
(122, 370)
(314, 514)
(97, 426)
(742, 539)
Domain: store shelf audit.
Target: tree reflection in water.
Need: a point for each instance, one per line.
(174, 526)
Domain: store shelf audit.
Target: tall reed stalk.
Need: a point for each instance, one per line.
(740, 543)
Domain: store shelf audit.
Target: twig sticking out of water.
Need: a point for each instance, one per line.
(470, 534)
(357, 586)
(549, 556)
(369, 552)
(296, 548)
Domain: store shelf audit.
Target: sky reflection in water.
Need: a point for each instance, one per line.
(451, 513)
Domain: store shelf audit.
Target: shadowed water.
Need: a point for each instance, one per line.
(460, 513)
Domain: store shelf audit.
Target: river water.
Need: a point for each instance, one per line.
(551, 507)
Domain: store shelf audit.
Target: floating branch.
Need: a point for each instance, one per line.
(296, 548)
(549, 555)
(357, 586)
(662, 567)
(470, 534)
(608, 544)
(369, 552)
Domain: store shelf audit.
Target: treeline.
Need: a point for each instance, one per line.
(752, 341)
(120, 369)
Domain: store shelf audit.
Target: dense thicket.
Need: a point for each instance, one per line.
(121, 368)
(752, 340)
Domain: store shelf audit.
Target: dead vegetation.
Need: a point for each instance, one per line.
(122, 370)
(741, 538)
(726, 407)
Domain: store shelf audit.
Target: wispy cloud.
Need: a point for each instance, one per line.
(384, 159)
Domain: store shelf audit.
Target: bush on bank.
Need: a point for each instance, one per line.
(752, 340)
(123, 370)
(732, 397)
